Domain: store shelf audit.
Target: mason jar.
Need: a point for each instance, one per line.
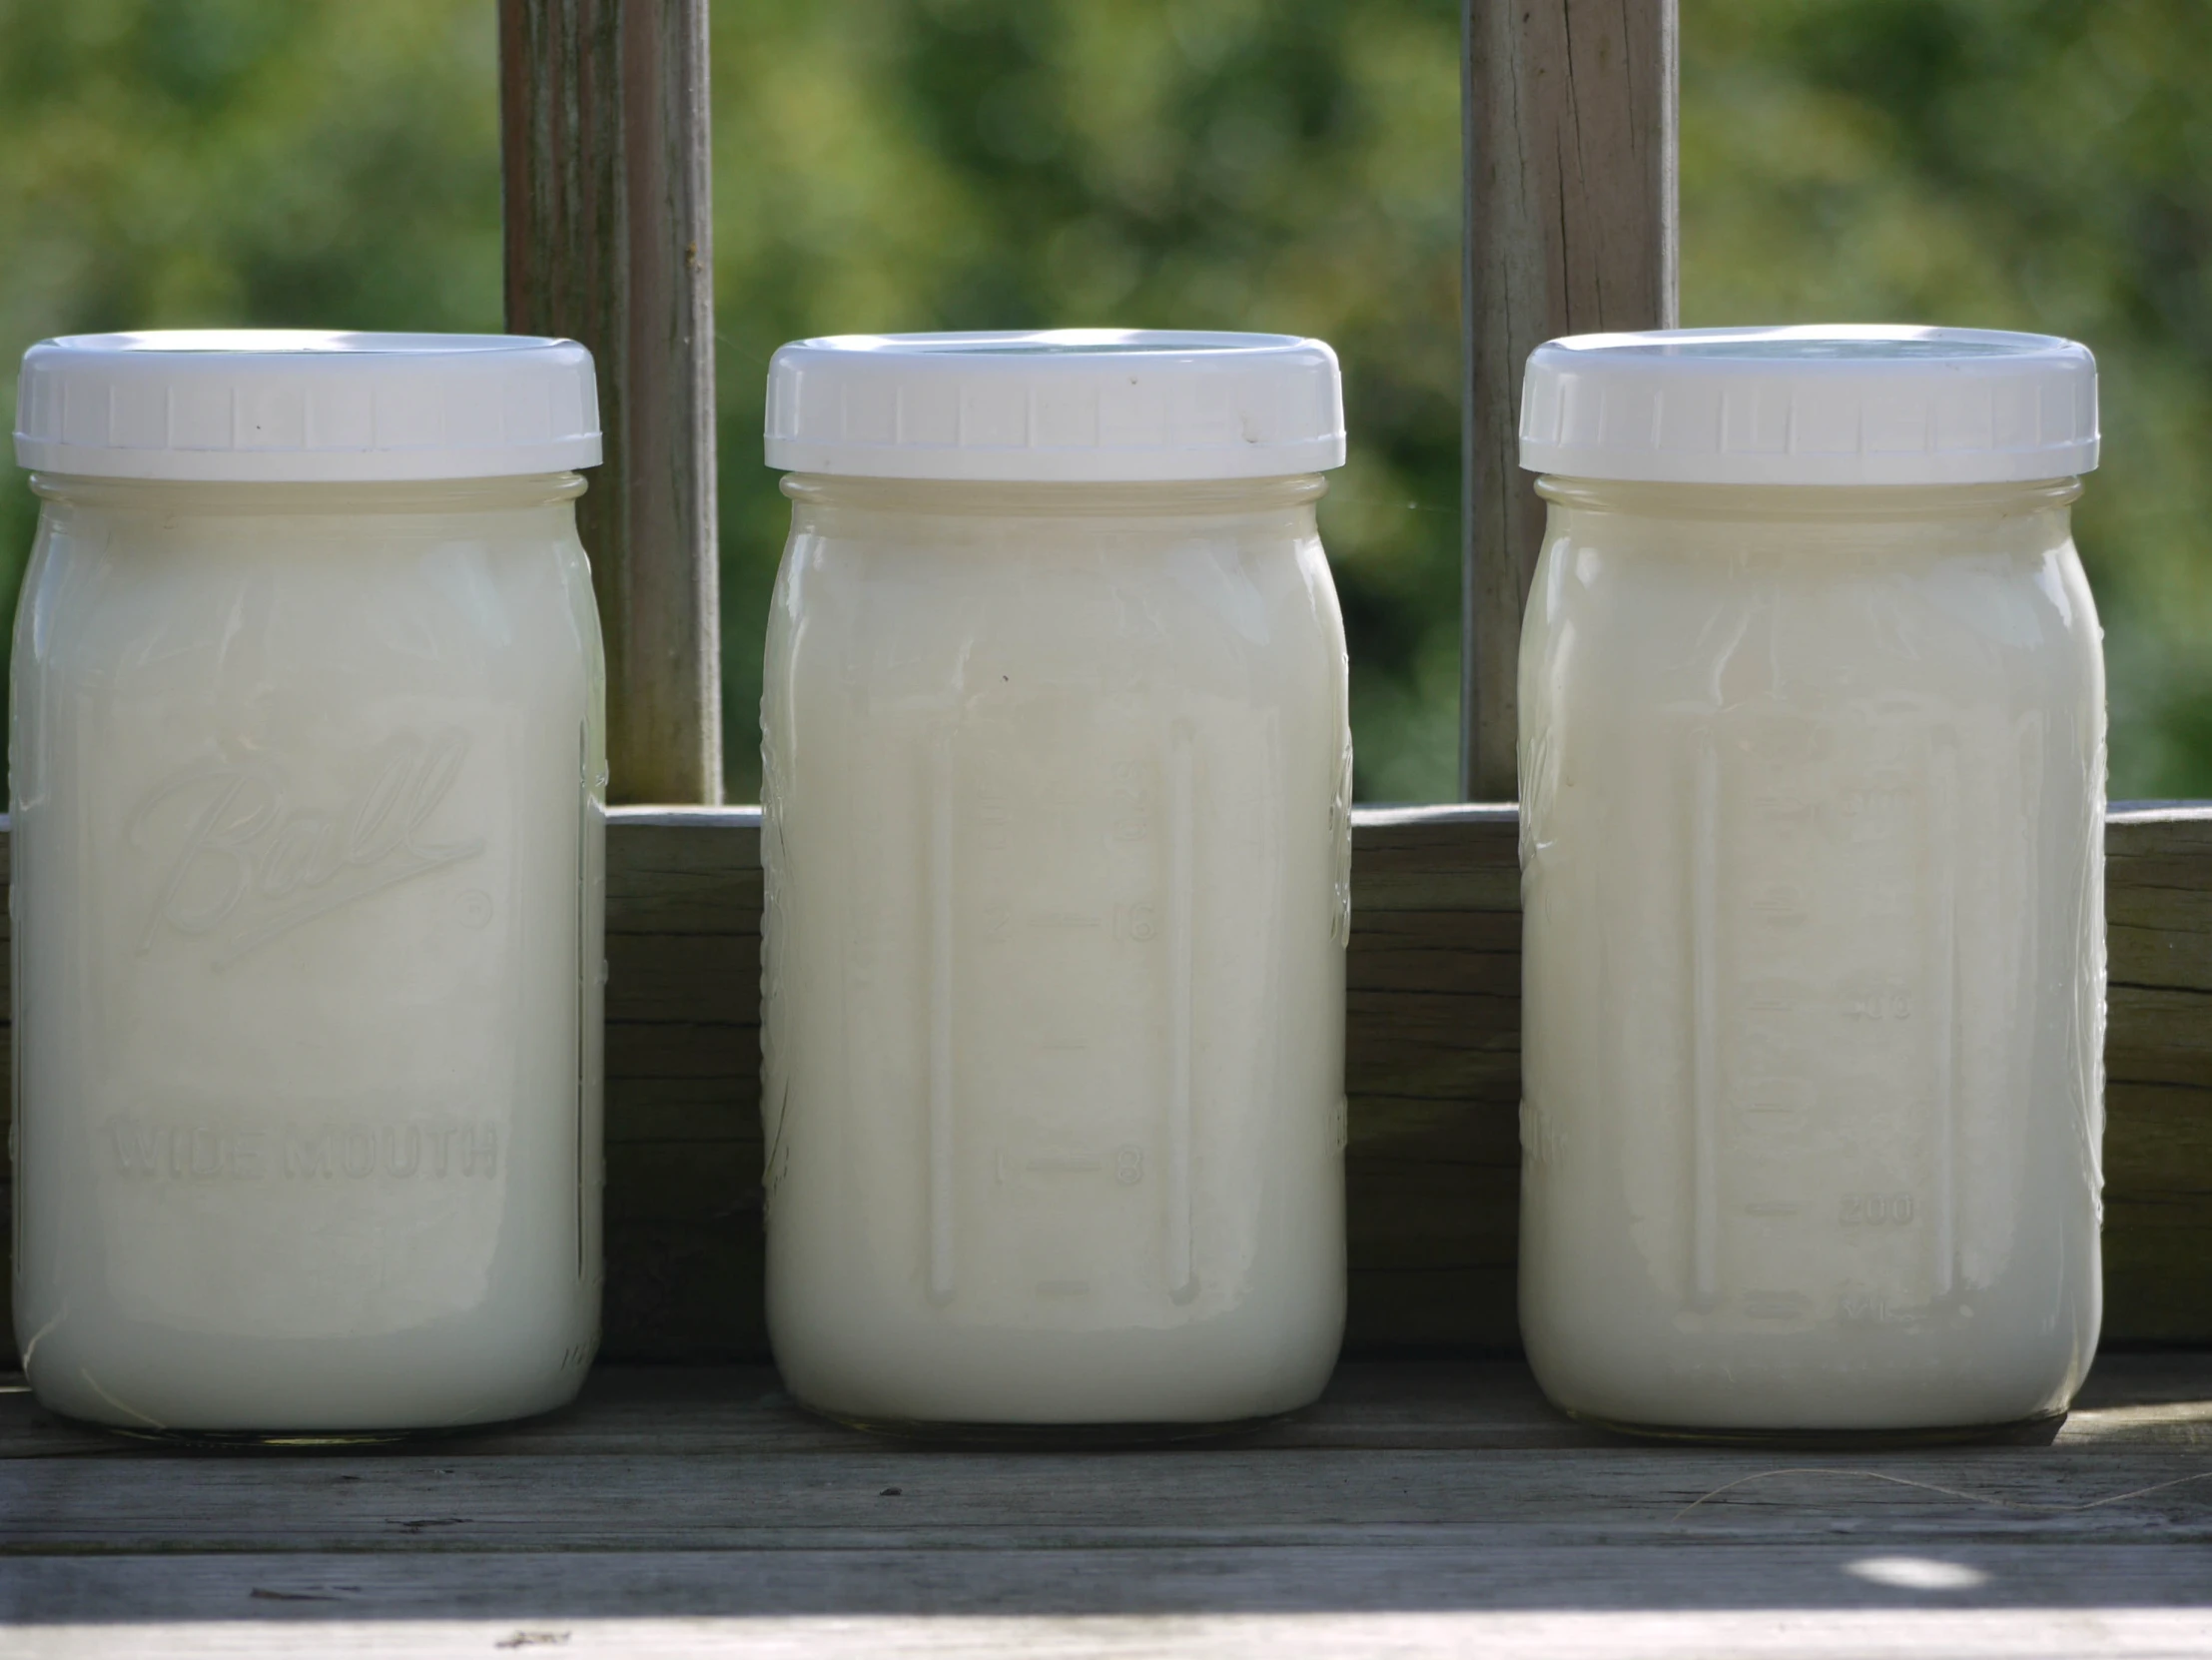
(1813, 768)
(1056, 781)
(307, 772)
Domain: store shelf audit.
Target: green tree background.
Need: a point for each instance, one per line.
(1286, 165)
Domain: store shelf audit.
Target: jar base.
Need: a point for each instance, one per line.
(2035, 1431)
(268, 1440)
(299, 1440)
(1049, 1437)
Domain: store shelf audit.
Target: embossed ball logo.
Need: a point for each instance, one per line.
(245, 863)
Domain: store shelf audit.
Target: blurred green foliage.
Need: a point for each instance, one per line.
(1286, 165)
(177, 163)
(2021, 164)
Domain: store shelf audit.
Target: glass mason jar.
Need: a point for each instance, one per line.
(308, 771)
(1055, 782)
(1812, 758)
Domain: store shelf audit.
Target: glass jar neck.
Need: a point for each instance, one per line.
(232, 500)
(990, 498)
(1836, 503)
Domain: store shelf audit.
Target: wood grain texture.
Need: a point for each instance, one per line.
(920, 1587)
(1222, 1604)
(1432, 1071)
(2158, 1075)
(605, 149)
(1570, 170)
(1186, 1499)
(683, 1234)
(1421, 1508)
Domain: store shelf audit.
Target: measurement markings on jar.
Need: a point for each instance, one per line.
(1755, 888)
(1784, 807)
(1134, 921)
(1878, 1003)
(1878, 812)
(419, 1148)
(1052, 1163)
(1856, 1302)
(1778, 1104)
(996, 819)
(1126, 1164)
(1778, 905)
(1131, 805)
(1875, 1210)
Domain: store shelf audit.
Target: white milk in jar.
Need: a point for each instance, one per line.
(1055, 830)
(308, 769)
(1813, 792)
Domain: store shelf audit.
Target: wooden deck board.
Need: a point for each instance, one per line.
(1714, 1601)
(1423, 1509)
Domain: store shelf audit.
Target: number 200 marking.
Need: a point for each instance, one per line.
(1875, 1209)
(1880, 1004)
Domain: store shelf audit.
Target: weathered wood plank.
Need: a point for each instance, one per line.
(683, 1221)
(1806, 1604)
(1423, 1508)
(1181, 1498)
(2158, 1075)
(327, 1587)
(609, 219)
(1570, 167)
(1432, 1073)
(679, 871)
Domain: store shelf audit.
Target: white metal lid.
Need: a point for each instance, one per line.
(296, 405)
(1823, 405)
(1061, 406)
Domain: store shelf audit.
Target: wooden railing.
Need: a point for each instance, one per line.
(1570, 164)
(1568, 110)
(610, 241)
(1433, 1075)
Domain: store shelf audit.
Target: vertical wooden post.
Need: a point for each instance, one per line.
(1569, 128)
(604, 137)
